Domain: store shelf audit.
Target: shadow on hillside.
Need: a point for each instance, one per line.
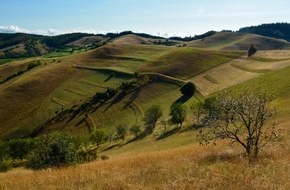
(182, 99)
(134, 95)
(111, 147)
(192, 127)
(138, 137)
(107, 79)
(116, 100)
(169, 133)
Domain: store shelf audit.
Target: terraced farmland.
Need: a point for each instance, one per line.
(234, 72)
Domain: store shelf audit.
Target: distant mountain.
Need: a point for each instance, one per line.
(25, 45)
(275, 30)
(196, 37)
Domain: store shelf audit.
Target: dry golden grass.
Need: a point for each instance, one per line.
(237, 41)
(131, 39)
(192, 167)
(238, 71)
(21, 96)
(226, 76)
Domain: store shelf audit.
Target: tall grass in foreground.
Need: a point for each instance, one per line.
(192, 167)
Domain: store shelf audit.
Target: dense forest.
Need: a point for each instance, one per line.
(274, 30)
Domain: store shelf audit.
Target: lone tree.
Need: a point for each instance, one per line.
(121, 131)
(188, 89)
(241, 118)
(98, 137)
(252, 50)
(177, 113)
(151, 117)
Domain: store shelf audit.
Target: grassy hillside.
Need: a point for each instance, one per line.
(87, 40)
(232, 41)
(187, 62)
(47, 97)
(176, 161)
(131, 39)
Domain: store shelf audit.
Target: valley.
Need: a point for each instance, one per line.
(98, 83)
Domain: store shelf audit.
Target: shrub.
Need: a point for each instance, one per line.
(135, 130)
(19, 148)
(104, 157)
(5, 166)
(121, 131)
(54, 150)
(4, 151)
(87, 155)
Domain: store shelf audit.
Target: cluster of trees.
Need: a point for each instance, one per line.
(165, 42)
(52, 150)
(143, 35)
(241, 118)
(274, 30)
(196, 37)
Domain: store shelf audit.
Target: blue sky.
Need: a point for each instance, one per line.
(159, 17)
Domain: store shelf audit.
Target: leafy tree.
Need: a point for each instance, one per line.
(4, 151)
(135, 130)
(188, 89)
(98, 137)
(151, 117)
(242, 119)
(54, 150)
(177, 113)
(252, 50)
(19, 148)
(121, 131)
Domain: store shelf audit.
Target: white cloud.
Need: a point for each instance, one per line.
(49, 32)
(12, 29)
(53, 32)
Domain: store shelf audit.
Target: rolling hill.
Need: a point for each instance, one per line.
(115, 83)
(232, 41)
(72, 80)
(177, 161)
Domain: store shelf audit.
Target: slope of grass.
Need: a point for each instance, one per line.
(276, 83)
(187, 62)
(192, 167)
(131, 39)
(4, 61)
(121, 56)
(250, 69)
(124, 109)
(174, 161)
(12, 67)
(233, 41)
